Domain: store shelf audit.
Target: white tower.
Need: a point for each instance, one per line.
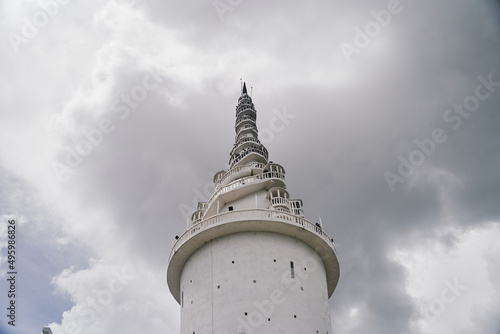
(250, 262)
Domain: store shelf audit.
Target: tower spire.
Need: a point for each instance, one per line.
(247, 147)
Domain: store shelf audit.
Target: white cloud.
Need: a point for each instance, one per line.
(108, 297)
(433, 268)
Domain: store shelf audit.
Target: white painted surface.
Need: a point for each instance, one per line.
(217, 292)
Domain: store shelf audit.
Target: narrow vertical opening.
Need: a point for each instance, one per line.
(292, 271)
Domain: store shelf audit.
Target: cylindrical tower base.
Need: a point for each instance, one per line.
(254, 282)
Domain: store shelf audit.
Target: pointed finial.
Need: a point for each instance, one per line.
(244, 88)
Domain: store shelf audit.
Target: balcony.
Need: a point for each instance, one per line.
(246, 129)
(252, 220)
(243, 118)
(243, 141)
(223, 176)
(296, 206)
(197, 216)
(244, 106)
(241, 187)
(260, 151)
(278, 199)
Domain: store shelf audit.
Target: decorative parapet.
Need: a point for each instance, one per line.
(251, 214)
(253, 220)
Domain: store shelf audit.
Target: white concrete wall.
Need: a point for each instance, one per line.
(218, 288)
(248, 202)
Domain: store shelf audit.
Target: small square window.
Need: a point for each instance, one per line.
(230, 208)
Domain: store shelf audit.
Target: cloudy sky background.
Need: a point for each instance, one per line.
(94, 237)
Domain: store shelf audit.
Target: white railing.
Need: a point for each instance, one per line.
(238, 112)
(246, 139)
(242, 104)
(237, 169)
(244, 181)
(243, 141)
(246, 127)
(279, 200)
(244, 118)
(250, 214)
(262, 152)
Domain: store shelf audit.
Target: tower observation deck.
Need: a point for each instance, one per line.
(250, 262)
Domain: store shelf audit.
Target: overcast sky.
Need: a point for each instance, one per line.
(385, 115)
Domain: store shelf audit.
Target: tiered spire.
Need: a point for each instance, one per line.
(250, 174)
(247, 146)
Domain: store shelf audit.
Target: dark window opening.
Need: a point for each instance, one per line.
(230, 208)
(292, 270)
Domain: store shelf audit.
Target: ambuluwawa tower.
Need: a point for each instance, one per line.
(250, 262)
